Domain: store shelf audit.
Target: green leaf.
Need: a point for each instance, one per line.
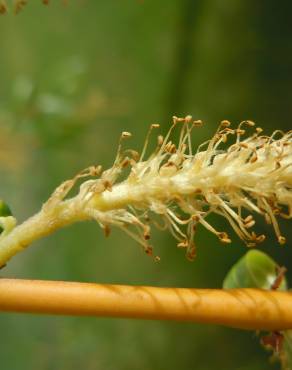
(254, 270)
(4, 209)
(257, 270)
(4, 212)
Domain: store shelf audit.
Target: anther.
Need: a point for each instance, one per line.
(260, 238)
(281, 239)
(107, 230)
(146, 235)
(198, 123)
(125, 162)
(148, 250)
(183, 244)
(225, 123)
(224, 238)
(126, 134)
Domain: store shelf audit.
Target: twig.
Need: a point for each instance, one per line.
(239, 308)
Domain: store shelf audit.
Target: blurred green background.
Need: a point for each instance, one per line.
(71, 79)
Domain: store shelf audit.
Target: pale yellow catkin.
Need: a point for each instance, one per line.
(234, 175)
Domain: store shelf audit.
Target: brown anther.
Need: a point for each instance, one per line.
(195, 218)
(281, 239)
(107, 230)
(260, 238)
(281, 271)
(243, 145)
(198, 123)
(125, 162)
(148, 250)
(107, 185)
(225, 123)
(259, 130)
(169, 164)
(146, 235)
(250, 123)
(254, 158)
(191, 253)
(278, 165)
(155, 125)
(95, 170)
(224, 238)
(273, 341)
(239, 131)
(170, 147)
(183, 244)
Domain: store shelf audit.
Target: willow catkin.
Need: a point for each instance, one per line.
(233, 175)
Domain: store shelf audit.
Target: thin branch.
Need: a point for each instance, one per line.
(239, 308)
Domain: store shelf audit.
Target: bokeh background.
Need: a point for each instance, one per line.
(71, 79)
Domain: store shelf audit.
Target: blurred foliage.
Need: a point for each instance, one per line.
(72, 78)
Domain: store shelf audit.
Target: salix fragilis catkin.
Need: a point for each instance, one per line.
(233, 175)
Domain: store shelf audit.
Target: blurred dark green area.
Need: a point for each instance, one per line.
(71, 79)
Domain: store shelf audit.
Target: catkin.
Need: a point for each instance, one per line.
(234, 175)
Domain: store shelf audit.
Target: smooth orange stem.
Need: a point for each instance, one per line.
(239, 308)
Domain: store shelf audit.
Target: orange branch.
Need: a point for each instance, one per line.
(240, 308)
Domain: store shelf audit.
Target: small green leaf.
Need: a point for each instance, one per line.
(254, 270)
(4, 209)
(4, 212)
(257, 270)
